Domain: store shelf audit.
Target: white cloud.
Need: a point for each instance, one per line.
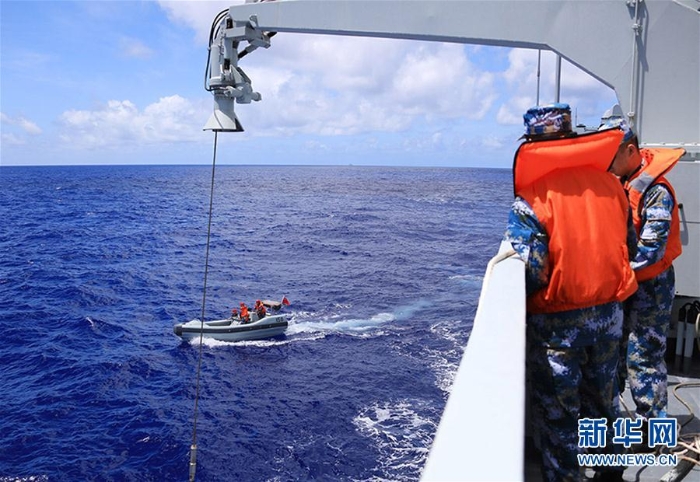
(342, 86)
(493, 142)
(438, 80)
(12, 140)
(131, 47)
(512, 111)
(29, 126)
(316, 146)
(26, 61)
(26, 125)
(338, 63)
(197, 15)
(586, 95)
(170, 120)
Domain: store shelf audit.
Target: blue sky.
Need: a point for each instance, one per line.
(121, 82)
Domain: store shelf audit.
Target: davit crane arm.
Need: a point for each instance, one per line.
(223, 77)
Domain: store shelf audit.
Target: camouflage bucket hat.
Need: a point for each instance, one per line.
(617, 122)
(553, 120)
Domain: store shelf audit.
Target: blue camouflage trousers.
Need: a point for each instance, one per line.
(646, 325)
(569, 383)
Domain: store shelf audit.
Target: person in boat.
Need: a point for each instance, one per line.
(234, 314)
(245, 316)
(260, 309)
(571, 226)
(648, 311)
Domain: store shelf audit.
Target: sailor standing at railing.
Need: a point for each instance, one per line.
(570, 223)
(648, 311)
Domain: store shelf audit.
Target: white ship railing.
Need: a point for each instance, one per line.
(482, 432)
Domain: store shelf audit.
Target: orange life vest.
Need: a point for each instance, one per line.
(534, 160)
(658, 162)
(583, 209)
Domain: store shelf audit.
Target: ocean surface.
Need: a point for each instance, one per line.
(383, 268)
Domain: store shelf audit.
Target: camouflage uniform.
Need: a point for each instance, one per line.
(572, 356)
(648, 311)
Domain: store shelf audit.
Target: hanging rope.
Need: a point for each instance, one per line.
(193, 448)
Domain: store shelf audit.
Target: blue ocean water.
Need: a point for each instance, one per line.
(383, 268)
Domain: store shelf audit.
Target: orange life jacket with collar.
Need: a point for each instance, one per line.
(657, 162)
(584, 210)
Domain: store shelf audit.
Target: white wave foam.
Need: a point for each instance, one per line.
(30, 478)
(307, 323)
(446, 361)
(445, 372)
(332, 324)
(469, 279)
(407, 311)
(446, 329)
(401, 434)
(212, 343)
